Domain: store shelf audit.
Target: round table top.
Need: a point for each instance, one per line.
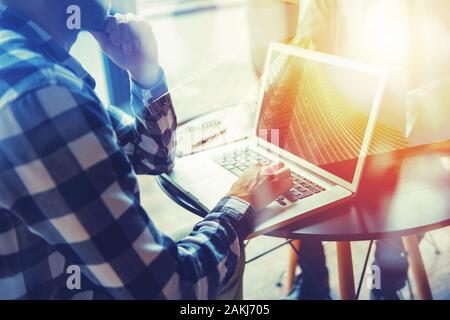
(402, 193)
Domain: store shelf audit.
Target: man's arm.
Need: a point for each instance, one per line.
(148, 137)
(75, 188)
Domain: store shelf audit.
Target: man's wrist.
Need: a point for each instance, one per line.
(147, 95)
(239, 213)
(244, 198)
(146, 79)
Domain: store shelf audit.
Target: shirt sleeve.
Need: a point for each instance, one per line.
(81, 199)
(148, 136)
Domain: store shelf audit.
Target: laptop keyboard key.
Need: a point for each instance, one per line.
(314, 190)
(291, 197)
(305, 195)
(236, 172)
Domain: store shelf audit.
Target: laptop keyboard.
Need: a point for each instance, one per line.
(239, 161)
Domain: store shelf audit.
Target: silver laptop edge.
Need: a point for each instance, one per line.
(337, 61)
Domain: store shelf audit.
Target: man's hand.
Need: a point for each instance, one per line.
(261, 185)
(129, 41)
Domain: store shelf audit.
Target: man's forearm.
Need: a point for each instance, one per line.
(148, 136)
(156, 127)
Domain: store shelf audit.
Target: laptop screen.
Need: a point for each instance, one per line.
(318, 111)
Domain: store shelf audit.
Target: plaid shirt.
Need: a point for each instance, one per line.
(69, 198)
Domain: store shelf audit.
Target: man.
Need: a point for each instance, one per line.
(283, 17)
(408, 36)
(69, 198)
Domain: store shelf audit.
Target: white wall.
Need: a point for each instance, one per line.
(88, 53)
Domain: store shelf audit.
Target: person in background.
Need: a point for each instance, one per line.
(283, 15)
(410, 37)
(69, 195)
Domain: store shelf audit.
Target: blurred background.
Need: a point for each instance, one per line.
(205, 49)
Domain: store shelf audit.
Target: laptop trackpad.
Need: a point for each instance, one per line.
(193, 169)
(210, 191)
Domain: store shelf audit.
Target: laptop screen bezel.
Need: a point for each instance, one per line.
(379, 72)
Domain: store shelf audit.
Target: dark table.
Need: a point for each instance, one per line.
(402, 194)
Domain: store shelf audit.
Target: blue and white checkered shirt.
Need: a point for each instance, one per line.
(69, 198)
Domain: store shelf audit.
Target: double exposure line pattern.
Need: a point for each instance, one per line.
(315, 120)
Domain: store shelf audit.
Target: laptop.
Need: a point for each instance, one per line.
(316, 113)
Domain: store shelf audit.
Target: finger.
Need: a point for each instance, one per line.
(282, 181)
(122, 26)
(273, 168)
(146, 29)
(136, 30)
(281, 185)
(127, 41)
(279, 164)
(112, 29)
(283, 173)
(258, 165)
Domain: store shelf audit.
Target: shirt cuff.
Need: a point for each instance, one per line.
(148, 96)
(240, 214)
